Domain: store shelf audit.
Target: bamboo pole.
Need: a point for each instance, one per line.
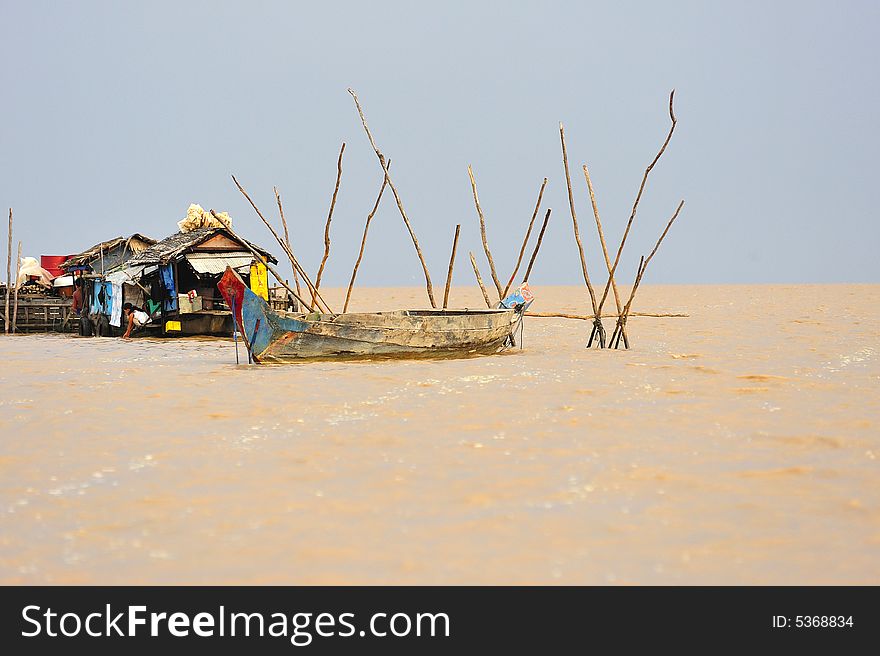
(597, 326)
(604, 249)
(15, 307)
(590, 317)
(451, 264)
(364, 241)
(480, 280)
(8, 273)
(525, 240)
(382, 162)
(643, 264)
(327, 225)
(261, 258)
(293, 261)
(621, 320)
(635, 206)
(287, 238)
(483, 235)
(537, 245)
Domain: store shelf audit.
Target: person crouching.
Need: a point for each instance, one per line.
(134, 318)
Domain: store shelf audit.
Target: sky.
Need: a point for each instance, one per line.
(117, 115)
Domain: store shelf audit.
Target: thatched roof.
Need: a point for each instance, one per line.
(136, 243)
(180, 243)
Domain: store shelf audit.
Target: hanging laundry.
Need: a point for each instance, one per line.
(101, 295)
(168, 280)
(108, 298)
(115, 304)
(95, 306)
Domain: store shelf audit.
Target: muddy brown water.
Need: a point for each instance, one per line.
(739, 445)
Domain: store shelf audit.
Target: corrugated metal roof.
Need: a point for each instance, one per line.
(214, 263)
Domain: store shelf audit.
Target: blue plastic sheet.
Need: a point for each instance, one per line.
(102, 298)
(167, 273)
(522, 296)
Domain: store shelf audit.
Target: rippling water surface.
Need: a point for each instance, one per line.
(739, 445)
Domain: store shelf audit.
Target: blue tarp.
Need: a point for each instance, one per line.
(102, 298)
(167, 273)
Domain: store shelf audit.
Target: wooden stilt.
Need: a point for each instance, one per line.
(451, 265)
(598, 329)
(234, 330)
(537, 246)
(327, 226)
(15, 306)
(364, 240)
(260, 258)
(483, 235)
(293, 261)
(643, 265)
(287, 238)
(8, 273)
(604, 248)
(621, 320)
(480, 280)
(525, 240)
(635, 206)
(382, 162)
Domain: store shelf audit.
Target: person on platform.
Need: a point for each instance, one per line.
(78, 295)
(134, 318)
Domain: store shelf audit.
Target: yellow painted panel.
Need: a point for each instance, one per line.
(260, 280)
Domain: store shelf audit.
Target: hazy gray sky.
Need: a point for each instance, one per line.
(118, 115)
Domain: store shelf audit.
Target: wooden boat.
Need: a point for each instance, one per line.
(275, 336)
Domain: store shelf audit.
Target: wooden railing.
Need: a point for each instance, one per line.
(42, 313)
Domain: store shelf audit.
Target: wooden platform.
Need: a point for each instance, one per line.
(38, 313)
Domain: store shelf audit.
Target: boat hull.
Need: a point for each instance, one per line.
(291, 338)
(279, 337)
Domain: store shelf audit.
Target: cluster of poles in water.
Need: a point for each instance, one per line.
(312, 299)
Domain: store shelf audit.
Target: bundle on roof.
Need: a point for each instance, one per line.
(197, 217)
(181, 243)
(30, 267)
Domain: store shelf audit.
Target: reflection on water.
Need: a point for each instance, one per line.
(739, 445)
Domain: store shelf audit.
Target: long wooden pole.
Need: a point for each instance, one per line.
(537, 245)
(235, 329)
(262, 258)
(8, 273)
(663, 234)
(364, 240)
(15, 308)
(483, 235)
(293, 261)
(287, 238)
(480, 279)
(597, 326)
(522, 250)
(451, 264)
(643, 264)
(327, 225)
(590, 317)
(621, 320)
(604, 248)
(384, 165)
(635, 206)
